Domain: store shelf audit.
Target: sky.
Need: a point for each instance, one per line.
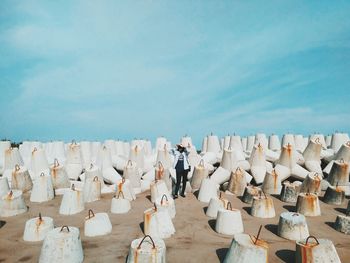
(96, 70)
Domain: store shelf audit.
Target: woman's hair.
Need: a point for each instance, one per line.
(180, 148)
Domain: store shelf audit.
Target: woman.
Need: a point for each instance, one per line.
(182, 168)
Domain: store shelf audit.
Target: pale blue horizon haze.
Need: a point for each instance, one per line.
(95, 70)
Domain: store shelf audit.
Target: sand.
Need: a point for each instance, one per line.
(194, 241)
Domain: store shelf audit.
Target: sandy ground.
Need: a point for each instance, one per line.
(194, 241)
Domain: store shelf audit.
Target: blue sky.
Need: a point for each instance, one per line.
(140, 69)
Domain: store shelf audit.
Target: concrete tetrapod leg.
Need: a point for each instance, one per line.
(119, 204)
(158, 223)
(337, 139)
(237, 182)
(164, 157)
(288, 156)
(59, 176)
(4, 186)
(97, 224)
(42, 189)
(339, 174)
(110, 175)
(131, 173)
(37, 228)
(312, 183)
(288, 139)
(147, 251)
(62, 245)
(200, 173)
(308, 204)
(21, 179)
(258, 163)
(220, 175)
(292, 226)
(92, 190)
(312, 155)
(272, 183)
(213, 144)
(299, 172)
(274, 142)
(300, 142)
(290, 191)
(228, 159)
(214, 205)
(334, 196)
(324, 184)
(249, 192)
(162, 173)
(124, 186)
(150, 222)
(38, 163)
(91, 172)
(166, 202)
(12, 204)
(343, 153)
(247, 249)
(262, 207)
(229, 221)
(283, 171)
(207, 190)
(158, 189)
(72, 202)
(342, 223)
(315, 251)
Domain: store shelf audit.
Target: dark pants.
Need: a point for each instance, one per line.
(181, 174)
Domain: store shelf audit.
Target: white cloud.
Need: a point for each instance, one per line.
(138, 63)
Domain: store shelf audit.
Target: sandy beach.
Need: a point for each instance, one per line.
(194, 241)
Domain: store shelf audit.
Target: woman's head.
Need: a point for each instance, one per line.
(180, 148)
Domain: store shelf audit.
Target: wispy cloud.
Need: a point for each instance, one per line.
(107, 70)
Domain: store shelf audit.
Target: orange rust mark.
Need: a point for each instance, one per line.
(311, 202)
(344, 166)
(289, 150)
(262, 243)
(38, 222)
(258, 242)
(136, 255)
(147, 222)
(237, 181)
(268, 204)
(160, 174)
(306, 252)
(344, 172)
(120, 187)
(317, 182)
(274, 179)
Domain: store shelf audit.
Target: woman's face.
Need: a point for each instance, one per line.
(181, 149)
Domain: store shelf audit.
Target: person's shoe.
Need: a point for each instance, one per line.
(175, 196)
(183, 195)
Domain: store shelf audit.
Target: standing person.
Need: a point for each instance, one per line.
(182, 168)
